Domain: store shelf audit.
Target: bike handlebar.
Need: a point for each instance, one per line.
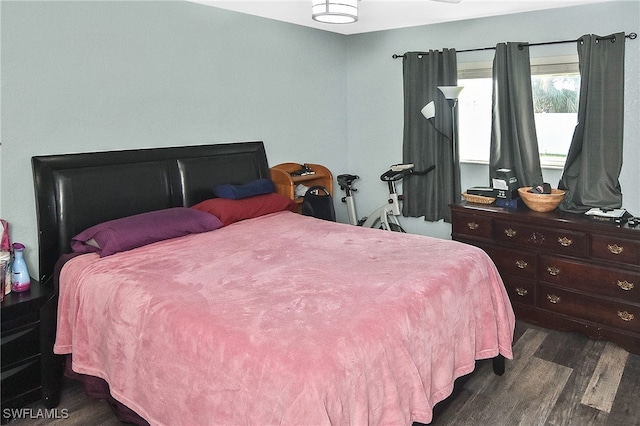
(395, 175)
(426, 171)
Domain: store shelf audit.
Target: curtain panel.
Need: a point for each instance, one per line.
(514, 142)
(591, 172)
(428, 142)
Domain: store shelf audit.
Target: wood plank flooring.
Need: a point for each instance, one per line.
(556, 379)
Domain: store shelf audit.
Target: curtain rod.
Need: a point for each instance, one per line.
(631, 36)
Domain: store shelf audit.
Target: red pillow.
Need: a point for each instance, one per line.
(231, 211)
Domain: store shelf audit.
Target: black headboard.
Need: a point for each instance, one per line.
(76, 191)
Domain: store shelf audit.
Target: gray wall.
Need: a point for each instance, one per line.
(90, 76)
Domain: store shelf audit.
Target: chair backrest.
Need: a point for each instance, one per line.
(318, 202)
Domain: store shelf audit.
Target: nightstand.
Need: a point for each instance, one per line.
(286, 184)
(21, 346)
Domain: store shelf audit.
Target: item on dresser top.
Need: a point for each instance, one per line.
(478, 199)
(482, 191)
(541, 202)
(20, 280)
(504, 179)
(507, 194)
(508, 204)
(543, 188)
(609, 215)
(480, 195)
(505, 183)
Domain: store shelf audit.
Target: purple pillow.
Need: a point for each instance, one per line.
(130, 232)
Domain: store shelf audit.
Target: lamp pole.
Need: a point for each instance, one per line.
(451, 93)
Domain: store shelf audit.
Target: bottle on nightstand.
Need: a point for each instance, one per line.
(20, 280)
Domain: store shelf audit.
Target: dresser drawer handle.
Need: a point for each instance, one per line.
(521, 264)
(510, 232)
(565, 242)
(625, 285)
(615, 249)
(521, 291)
(472, 225)
(553, 298)
(625, 316)
(552, 270)
(536, 238)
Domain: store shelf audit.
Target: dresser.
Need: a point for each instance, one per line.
(561, 270)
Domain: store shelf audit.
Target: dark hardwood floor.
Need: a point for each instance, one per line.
(556, 378)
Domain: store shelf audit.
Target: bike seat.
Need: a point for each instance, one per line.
(346, 179)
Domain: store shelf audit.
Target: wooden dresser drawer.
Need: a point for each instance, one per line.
(472, 225)
(557, 240)
(603, 311)
(513, 262)
(610, 282)
(616, 249)
(520, 290)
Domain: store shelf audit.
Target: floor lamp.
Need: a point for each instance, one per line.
(451, 94)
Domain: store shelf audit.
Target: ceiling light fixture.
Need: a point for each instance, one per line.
(335, 11)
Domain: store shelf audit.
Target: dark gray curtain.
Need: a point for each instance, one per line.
(423, 145)
(594, 161)
(514, 142)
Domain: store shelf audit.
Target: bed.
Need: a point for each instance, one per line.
(268, 317)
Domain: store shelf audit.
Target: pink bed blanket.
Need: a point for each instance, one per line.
(284, 319)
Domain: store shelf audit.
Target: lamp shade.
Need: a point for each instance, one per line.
(335, 11)
(451, 92)
(429, 110)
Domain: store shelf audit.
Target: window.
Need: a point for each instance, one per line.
(555, 86)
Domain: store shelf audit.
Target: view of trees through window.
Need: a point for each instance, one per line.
(555, 98)
(555, 107)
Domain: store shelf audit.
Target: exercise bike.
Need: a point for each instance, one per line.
(387, 215)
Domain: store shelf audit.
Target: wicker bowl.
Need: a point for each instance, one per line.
(541, 202)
